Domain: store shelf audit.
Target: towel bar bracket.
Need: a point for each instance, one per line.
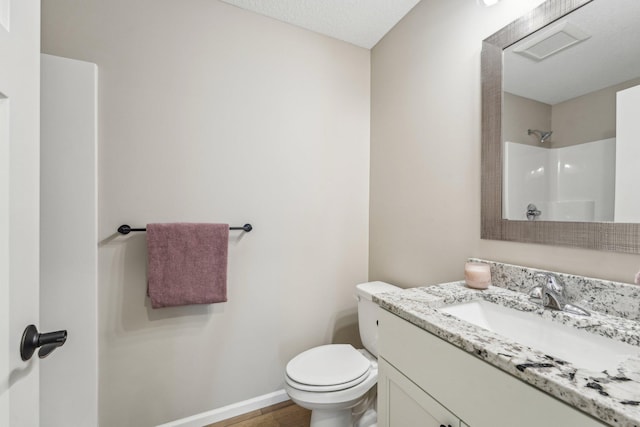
(126, 229)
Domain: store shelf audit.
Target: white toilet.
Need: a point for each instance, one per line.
(337, 382)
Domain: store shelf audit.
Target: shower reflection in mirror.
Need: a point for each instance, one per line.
(571, 98)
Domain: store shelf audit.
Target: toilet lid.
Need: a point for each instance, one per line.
(328, 365)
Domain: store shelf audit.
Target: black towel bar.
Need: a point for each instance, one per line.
(126, 229)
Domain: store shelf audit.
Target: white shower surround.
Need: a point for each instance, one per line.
(575, 183)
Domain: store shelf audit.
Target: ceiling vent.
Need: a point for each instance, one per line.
(551, 41)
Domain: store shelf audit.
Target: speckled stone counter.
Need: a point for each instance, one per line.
(613, 395)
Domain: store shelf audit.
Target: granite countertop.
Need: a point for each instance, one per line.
(612, 395)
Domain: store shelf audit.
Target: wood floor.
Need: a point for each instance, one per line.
(285, 414)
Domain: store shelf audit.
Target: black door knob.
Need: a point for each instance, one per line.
(47, 342)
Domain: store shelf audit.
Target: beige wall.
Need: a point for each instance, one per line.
(425, 153)
(587, 118)
(520, 114)
(211, 113)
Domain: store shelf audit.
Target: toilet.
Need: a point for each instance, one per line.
(336, 381)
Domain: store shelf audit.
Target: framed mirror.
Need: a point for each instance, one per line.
(530, 118)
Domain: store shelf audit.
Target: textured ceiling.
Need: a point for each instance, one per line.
(360, 22)
(610, 56)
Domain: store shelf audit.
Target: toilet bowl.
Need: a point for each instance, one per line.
(341, 378)
(336, 381)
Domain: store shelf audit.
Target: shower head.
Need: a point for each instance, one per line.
(542, 134)
(545, 136)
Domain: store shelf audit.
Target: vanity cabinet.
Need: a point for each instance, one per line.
(406, 404)
(426, 381)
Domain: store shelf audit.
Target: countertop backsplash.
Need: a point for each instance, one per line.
(604, 296)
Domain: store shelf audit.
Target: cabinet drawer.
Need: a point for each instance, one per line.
(475, 391)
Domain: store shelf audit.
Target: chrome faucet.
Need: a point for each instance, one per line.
(551, 294)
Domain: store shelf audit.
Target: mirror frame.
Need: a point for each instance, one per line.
(607, 236)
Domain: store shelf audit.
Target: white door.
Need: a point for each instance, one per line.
(19, 206)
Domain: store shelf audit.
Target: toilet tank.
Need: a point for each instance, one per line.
(367, 312)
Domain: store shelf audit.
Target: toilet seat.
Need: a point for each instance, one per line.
(346, 398)
(327, 388)
(328, 368)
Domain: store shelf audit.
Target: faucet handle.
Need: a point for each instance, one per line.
(552, 294)
(552, 282)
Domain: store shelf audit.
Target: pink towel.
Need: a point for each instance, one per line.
(187, 263)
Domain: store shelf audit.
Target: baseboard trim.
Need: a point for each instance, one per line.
(229, 411)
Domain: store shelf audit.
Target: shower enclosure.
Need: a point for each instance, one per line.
(575, 183)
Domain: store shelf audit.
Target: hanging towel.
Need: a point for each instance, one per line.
(187, 263)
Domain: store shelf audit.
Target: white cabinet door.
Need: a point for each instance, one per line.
(401, 403)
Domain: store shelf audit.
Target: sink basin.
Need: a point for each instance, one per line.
(580, 348)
